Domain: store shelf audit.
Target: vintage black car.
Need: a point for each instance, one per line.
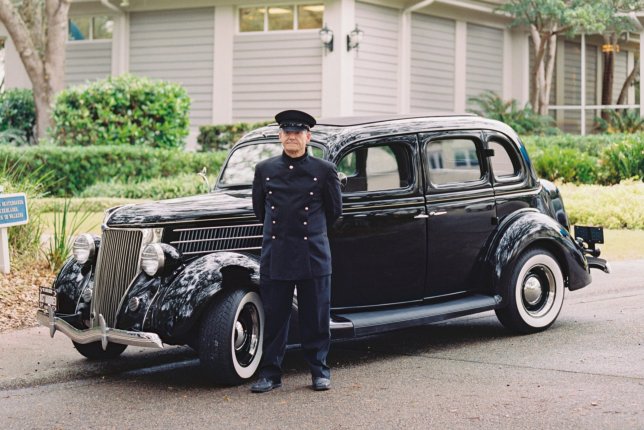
(444, 216)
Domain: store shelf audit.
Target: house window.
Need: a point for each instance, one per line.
(91, 28)
(281, 17)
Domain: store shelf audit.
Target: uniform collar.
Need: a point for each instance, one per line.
(300, 158)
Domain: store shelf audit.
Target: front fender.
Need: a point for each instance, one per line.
(72, 279)
(527, 228)
(178, 305)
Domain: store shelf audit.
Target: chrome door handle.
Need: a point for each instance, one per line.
(421, 216)
(436, 213)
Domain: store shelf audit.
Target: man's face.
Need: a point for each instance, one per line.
(294, 142)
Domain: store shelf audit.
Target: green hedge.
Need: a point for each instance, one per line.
(604, 159)
(76, 168)
(123, 110)
(223, 137)
(186, 184)
(17, 116)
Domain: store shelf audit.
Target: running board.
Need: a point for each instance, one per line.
(372, 322)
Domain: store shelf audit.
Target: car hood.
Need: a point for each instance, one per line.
(199, 208)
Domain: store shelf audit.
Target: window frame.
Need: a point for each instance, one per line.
(266, 6)
(473, 135)
(514, 155)
(90, 38)
(409, 142)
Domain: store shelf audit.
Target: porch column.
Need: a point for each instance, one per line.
(222, 76)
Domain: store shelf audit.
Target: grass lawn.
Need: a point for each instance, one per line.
(620, 244)
(91, 225)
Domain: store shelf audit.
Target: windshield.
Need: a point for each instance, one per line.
(240, 168)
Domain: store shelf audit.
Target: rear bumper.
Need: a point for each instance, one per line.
(598, 263)
(102, 333)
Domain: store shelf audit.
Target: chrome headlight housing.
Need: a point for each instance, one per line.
(84, 248)
(152, 259)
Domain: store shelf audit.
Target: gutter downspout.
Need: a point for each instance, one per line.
(405, 54)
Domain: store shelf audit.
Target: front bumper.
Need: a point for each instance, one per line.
(102, 333)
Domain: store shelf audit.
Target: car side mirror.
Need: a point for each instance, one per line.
(343, 179)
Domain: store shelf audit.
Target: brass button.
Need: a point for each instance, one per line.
(290, 167)
(268, 179)
(311, 193)
(273, 222)
(273, 237)
(306, 238)
(315, 179)
(305, 223)
(306, 208)
(272, 207)
(270, 192)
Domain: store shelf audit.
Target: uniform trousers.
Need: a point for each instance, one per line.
(313, 302)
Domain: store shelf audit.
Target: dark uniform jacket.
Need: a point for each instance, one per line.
(296, 199)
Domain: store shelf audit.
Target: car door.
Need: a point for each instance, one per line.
(460, 205)
(378, 245)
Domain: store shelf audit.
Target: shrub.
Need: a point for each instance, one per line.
(621, 121)
(623, 160)
(223, 137)
(522, 120)
(123, 110)
(565, 164)
(590, 145)
(17, 116)
(615, 207)
(186, 184)
(75, 168)
(98, 204)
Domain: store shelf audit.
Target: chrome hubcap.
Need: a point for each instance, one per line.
(240, 335)
(538, 291)
(532, 290)
(246, 334)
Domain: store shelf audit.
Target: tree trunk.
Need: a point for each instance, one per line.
(550, 67)
(628, 82)
(41, 45)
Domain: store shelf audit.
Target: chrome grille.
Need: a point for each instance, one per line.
(117, 265)
(226, 238)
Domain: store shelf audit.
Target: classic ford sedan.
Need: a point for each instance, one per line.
(443, 216)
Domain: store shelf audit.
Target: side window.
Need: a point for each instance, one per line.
(505, 164)
(452, 161)
(376, 168)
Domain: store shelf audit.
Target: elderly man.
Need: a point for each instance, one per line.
(297, 197)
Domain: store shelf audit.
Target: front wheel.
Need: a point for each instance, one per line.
(232, 332)
(535, 289)
(95, 351)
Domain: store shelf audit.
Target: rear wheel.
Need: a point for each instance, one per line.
(535, 289)
(94, 350)
(230, 341)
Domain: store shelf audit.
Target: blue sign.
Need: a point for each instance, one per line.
(13, 210)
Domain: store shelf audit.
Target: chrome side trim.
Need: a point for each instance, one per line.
(102, 333)
(208, 251)
(219, 227)
(334, 325)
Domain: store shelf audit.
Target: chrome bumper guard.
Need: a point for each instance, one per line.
(104, 334)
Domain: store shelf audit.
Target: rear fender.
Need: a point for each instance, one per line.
(527, 228)
(178, 305)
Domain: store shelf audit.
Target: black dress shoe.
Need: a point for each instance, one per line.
(321, 384)
(264, 384)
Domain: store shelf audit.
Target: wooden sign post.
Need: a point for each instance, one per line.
(13, 211)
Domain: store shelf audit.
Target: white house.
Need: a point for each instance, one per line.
(244, 60)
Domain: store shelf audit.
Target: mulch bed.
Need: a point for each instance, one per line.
(19, 293)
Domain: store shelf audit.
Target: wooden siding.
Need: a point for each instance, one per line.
(274, 72)
(484, 63)
(376, 62)
(432, 63)
(87, 61)
(177, 46)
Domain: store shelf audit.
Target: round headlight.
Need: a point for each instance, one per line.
(84, 248)
(152, 259)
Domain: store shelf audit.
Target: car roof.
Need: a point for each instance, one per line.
(336, 133)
